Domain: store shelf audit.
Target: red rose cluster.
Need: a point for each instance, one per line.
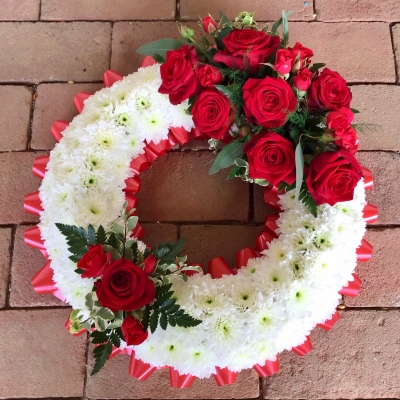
(275, 83)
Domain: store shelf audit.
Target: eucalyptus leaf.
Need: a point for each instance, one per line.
(114, 253)
(160, 47)
(227, 156)
(132, 221)
(100, 324)
(117, 228)
(115, 324)
(89, 302)
(299, 168)
(105, 313)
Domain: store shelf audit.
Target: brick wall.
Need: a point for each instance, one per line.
(52, 49)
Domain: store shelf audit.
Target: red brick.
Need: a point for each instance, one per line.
(385, 195)
(178, 188)
(39, 358)
(21, 10)
(16, 180)
(265, 10)
(15, 116)
(368, 10)
(25, 263)
(209, 241)
(347, 48)
(375, 103)
(261, 210)
(5, 247)
(54, 51)
(67, 10)
(55, 101)
(114, 382)
(359, 358)
(159, 233)
(129, 36)
(380, 276)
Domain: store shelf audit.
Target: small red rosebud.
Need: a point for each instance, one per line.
(209, 24)
(132, 329)
(150, 264)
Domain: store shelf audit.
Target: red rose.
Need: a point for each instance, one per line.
(302, 80)
(329, 91)
(271, 157)
(132, 329)
(94, 261)
(150, 264)
(209, 75)
(124, 287)
(283, 62)
(246, 49)
(212, 113)
(346, 139)
(301, 56)
(179, 74)
(332, 177)
(209, 24)
(268, 101)
(340, 119)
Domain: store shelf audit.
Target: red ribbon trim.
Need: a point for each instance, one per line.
(79, 100)
(304, 348)
(329, 323)
(138, 369)
(223, 376)
(58, 128)
(32, 203)
(180, 381)
(39, 166)
(110, 77)
(370, 213)
(364, 252)
(352, 288)
(43, 282)
(268, 369)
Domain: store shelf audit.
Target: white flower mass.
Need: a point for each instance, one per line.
(271, 305)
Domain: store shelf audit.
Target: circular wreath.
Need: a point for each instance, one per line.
(150, 302)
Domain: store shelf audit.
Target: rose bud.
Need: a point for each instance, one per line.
(332, 177)
(210, 76)
(340, 119)
(301, 56)
(209, 25)
(94, 262)
(132, 329)
(283, 62)
(186, 32)
(346, 139)
(124, 287)
(302, 80)
(150, 264)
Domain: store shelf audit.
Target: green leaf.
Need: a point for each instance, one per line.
(224, 19)
(154, 320)
(167, 304)
(100, 324)
(113, 241)
(89, 302)
(187, 321)
(115, 324)
(117, 228)
(91, 235)
(132, 221)
(299, 168)
(285, 27)
(79, 271)
(115, 340)
(315, 67)
(99, 337)
(354, 111)
(164, 321)
(308, 200)
(146, 318)
(222, 33)
(115, 254)
(160, 47)
(105, 313)
(227, 156)
(101, 236)
(168, 252)
(101, 354)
